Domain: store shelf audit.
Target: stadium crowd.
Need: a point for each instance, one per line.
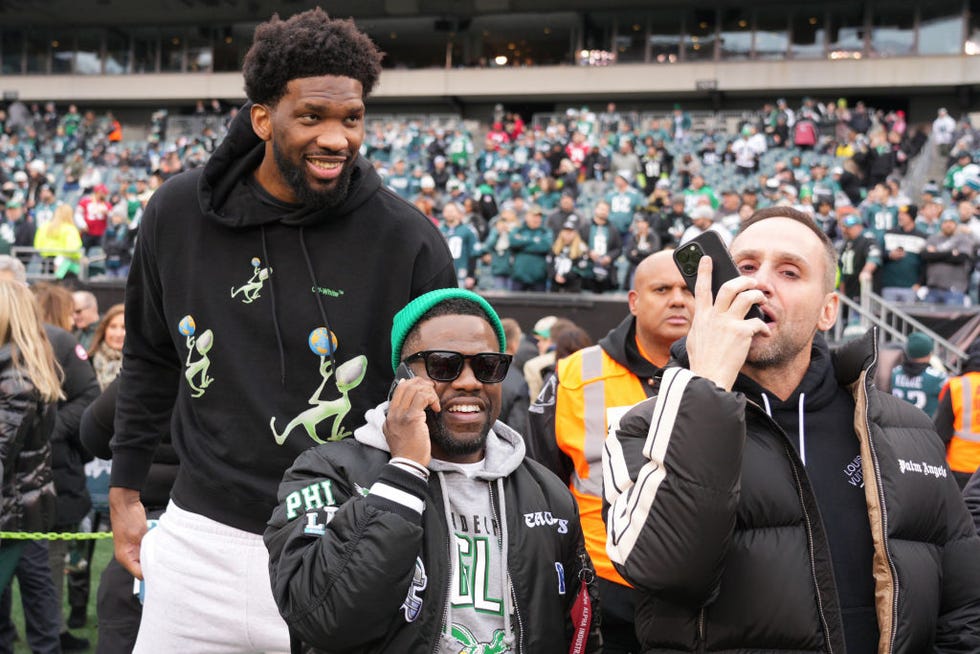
(564, 204)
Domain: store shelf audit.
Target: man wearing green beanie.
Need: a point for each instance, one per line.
(429, 527)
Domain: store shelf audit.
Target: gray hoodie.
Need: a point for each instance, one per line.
(477, 616)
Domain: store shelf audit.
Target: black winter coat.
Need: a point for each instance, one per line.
(350, 586)
(28, 496)
(68, 456)
(712, 517)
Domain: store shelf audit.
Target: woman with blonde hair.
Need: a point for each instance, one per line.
(569, 261)
(107, 344)
(30, 386)
(60, 242)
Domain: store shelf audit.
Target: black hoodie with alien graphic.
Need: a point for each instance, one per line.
(256, 329)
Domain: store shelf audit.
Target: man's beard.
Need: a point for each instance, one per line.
(450, 445)
(777, 353)
(296, 177)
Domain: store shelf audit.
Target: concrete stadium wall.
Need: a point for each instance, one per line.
(547, 83)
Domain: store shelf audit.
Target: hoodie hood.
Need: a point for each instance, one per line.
(816, 391)
(620, 344)
(848, 360)
(807, 408)
(224, 194)
(504, 449)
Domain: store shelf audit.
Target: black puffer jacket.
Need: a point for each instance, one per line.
(26, 422)
(68, 457)
(713, 517)
(377, 578)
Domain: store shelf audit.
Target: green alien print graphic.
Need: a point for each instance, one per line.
(249, 291)
(347, 377)
(196, 372)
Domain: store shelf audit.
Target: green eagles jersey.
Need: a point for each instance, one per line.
(922, 390)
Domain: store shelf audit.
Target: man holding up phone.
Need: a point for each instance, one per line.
(769, 498)
(429, 529)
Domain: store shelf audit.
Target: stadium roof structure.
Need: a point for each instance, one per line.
(99, 12)
(468, 52)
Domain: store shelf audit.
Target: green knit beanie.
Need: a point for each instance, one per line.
(405, 320)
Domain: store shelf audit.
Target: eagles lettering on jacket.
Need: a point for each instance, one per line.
(711, 515)
(380, 553)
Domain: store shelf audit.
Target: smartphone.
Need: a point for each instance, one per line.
(403, 371)
(687, 257)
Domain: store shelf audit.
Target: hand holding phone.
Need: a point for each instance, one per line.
(403, 371)
(405, 428)
(720, 338)
(687, 257)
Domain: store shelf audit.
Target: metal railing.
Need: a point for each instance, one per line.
(920, 168)
(46, 266)
(894, 325)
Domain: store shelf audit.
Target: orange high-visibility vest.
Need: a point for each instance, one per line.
(590, 385)
(963, 452)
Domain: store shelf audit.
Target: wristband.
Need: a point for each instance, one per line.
(411, 466)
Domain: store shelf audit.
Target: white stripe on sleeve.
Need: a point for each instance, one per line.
(397, 495)
(629, 510)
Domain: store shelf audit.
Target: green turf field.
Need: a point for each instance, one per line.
(103, 552)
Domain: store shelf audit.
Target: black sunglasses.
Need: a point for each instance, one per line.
(446, 365)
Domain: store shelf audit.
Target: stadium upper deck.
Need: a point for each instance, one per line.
(717, 53)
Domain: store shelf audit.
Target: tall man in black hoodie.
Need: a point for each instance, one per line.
(769, 498)
(258, 288)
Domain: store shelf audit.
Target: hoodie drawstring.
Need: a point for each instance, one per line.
(452, 553)
(316, 293)
(275, 317)
(802, 438)
(801, 432)
(504, 577)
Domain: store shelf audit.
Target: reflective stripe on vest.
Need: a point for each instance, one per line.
(595, 423)
(965, 416)
(963, 452)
